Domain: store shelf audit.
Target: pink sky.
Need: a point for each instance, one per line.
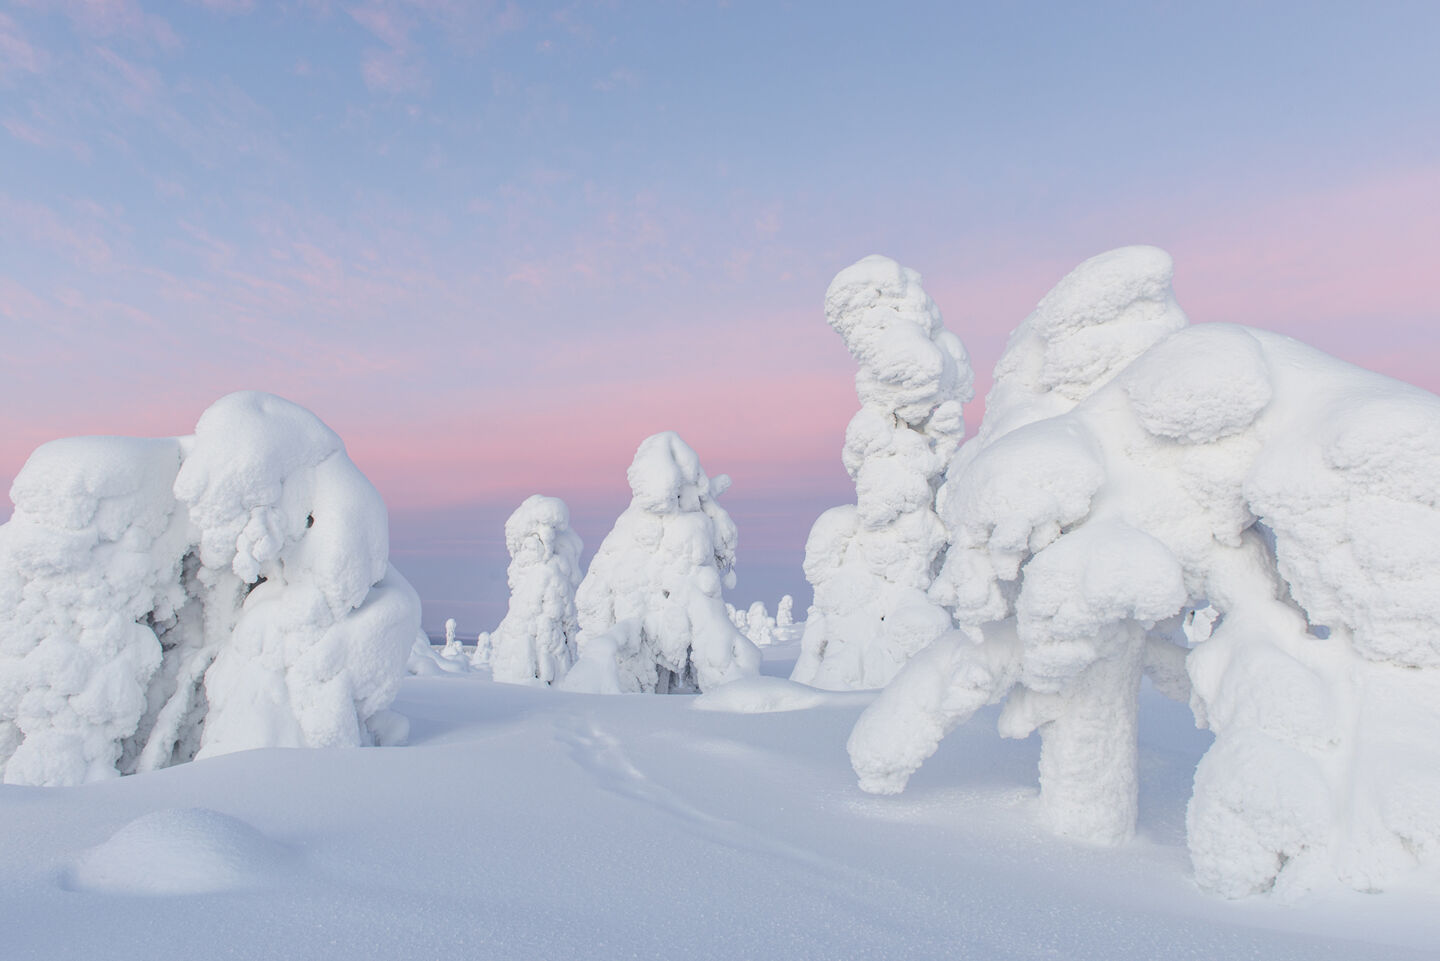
(495, 246)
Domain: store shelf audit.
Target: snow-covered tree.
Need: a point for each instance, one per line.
(483, 651)
(759, 625)
(872, 563)
(785, 612)
(1136, 479)
(535, 643)
(167, 599)
(651, 614)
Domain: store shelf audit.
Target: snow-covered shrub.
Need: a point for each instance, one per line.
(872, 563)
(1137, 480)
(453, 648)
(167, 599)
(536, 640)
(651, 614)
(785, 611)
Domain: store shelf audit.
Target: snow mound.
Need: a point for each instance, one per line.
(771, 695)
(650, 610)
(872, 563)
(181, 851)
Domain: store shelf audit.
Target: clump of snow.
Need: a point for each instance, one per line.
(162, 600)
(535, 643)
(179, 851)
(650, 610)
(872, 563)
(1137, 490)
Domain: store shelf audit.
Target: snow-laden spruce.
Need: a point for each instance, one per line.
(167, 599)
(535, 643)
(1136, 480)
(872, 563)
(651, 615)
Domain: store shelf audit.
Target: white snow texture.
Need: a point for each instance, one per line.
(167, 599)
(1136, 480)
(872, 563)
(535, 643)
(651, 615)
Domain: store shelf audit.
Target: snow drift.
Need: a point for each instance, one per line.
(872, 563)
(1137, 479)
(167, 599)
(651, 615)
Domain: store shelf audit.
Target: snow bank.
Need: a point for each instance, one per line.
(167, 599)
(1136, 480)
(535, 643)
(650, 610)
(872, 563)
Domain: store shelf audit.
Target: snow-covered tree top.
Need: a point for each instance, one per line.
(1100, 317)
(909, 363)
(263, 483)
(531, 532)
(665, 476)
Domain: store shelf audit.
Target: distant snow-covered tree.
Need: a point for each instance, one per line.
(535, 643)
(785, 612)
(872, 563)
(759, 625)
(453, 647)
(651, 614)
(484, 650)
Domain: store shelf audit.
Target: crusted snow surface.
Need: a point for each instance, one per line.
(167, 599)
(535, 643)
(651, 615)
(1136, 480)
(872, 563)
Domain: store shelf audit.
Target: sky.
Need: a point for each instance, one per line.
(495, 245)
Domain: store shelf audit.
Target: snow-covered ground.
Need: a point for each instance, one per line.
(522, 822)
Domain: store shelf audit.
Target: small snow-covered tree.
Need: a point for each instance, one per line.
(483, 651)
(167, 599)
(651, 614)
(872, 563)
(453, 647)
(759, 625)
(535, 643)
(1136, 479)
(785, 612)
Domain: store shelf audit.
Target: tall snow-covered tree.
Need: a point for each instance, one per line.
(1132, 470)
(872, 563)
